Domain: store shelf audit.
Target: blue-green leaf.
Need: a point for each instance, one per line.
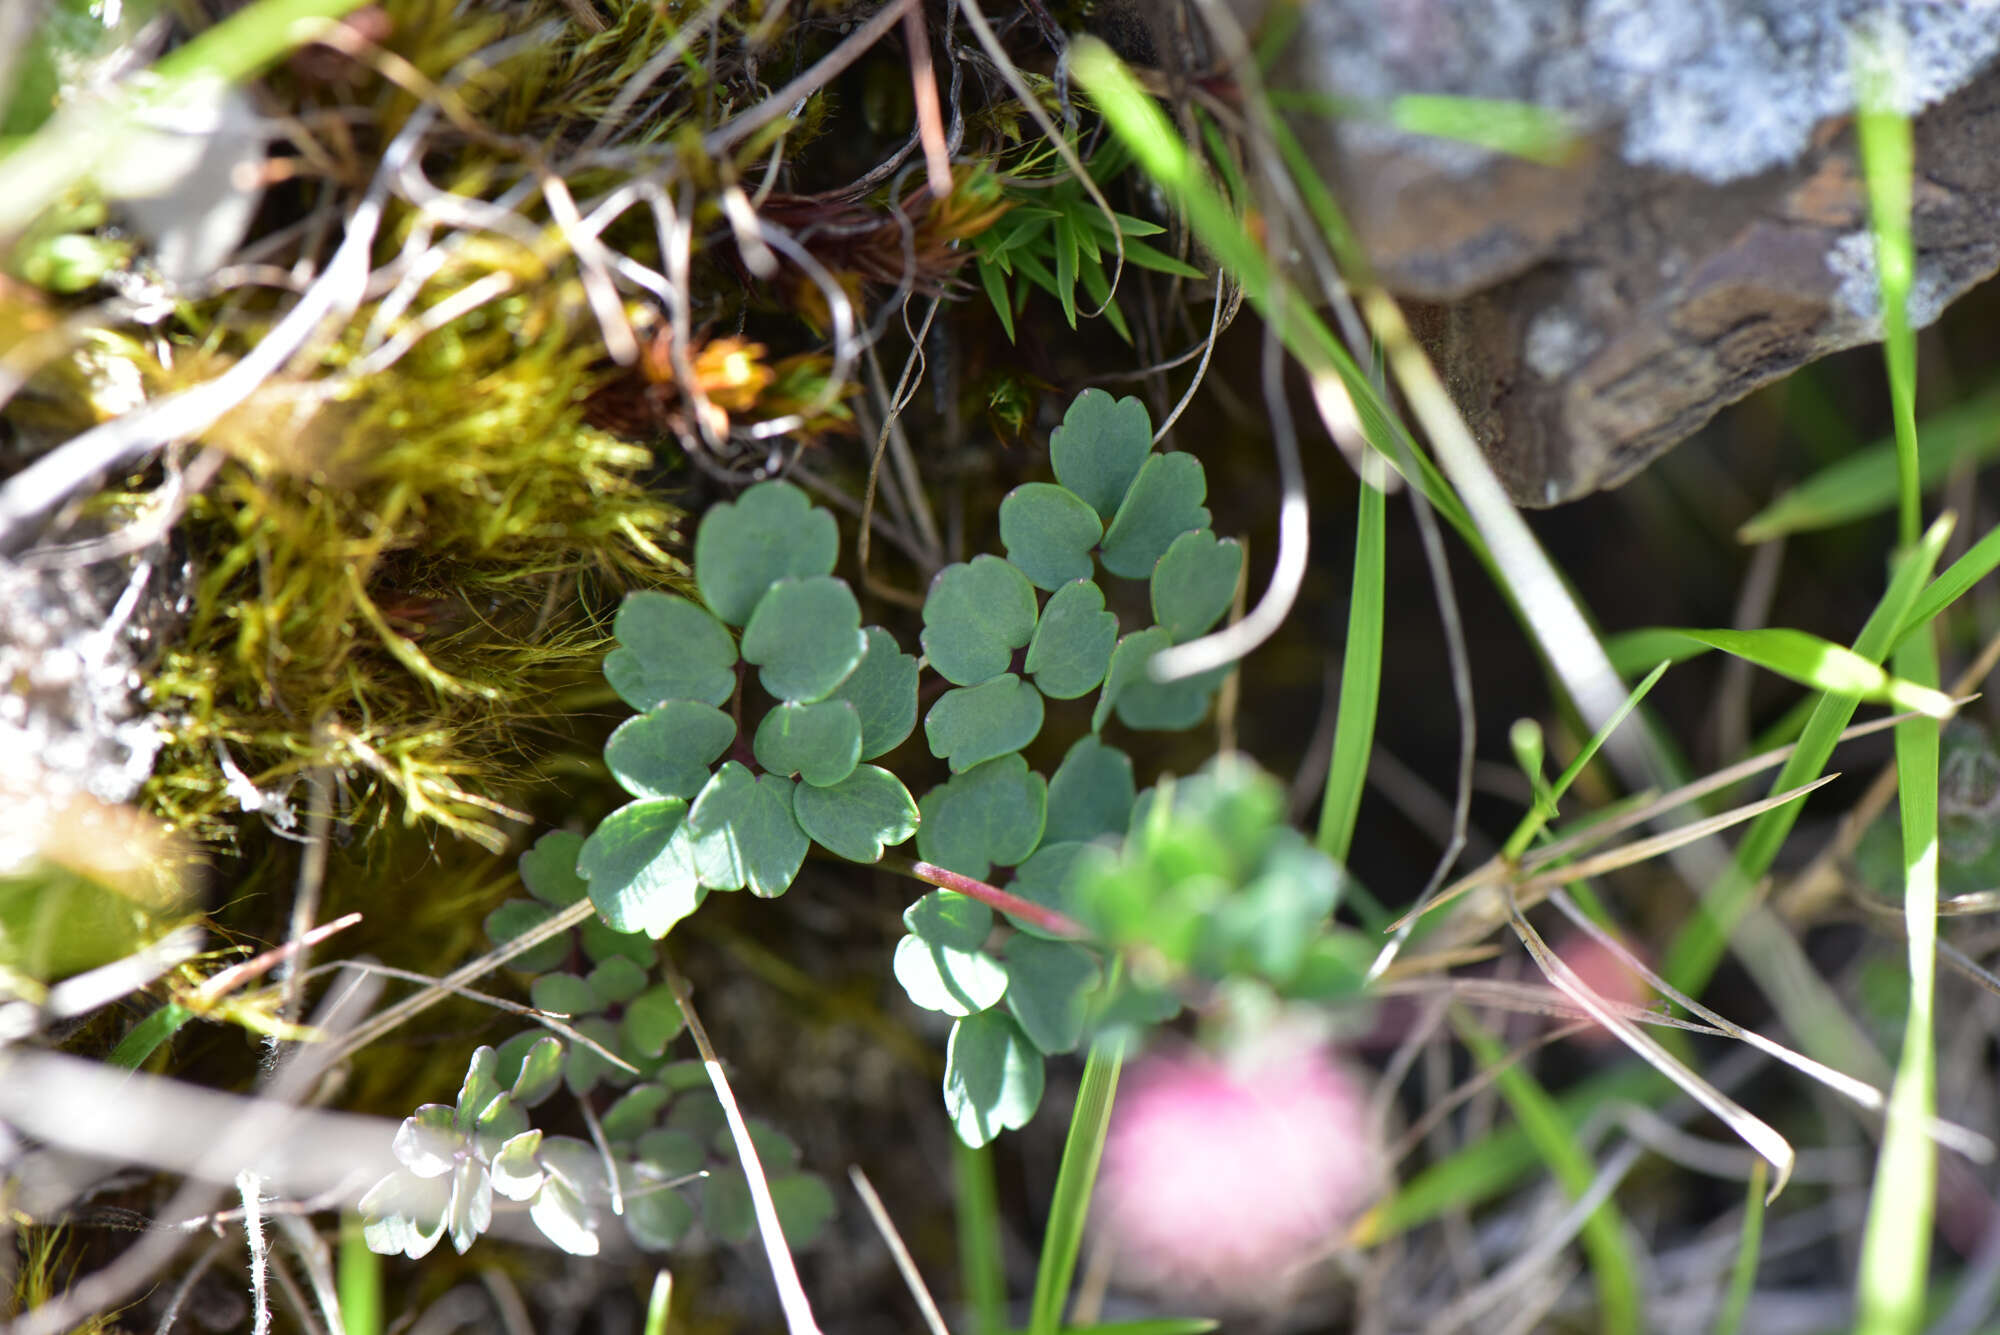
(538, 1072)
(1146, 704)
(726, 1207)
(975, 617)
(821, 742)
(1044, 879)
(651, 1021)
(669, 649)
(1050, 532)
(973, 724)
(1099, 448)
(634, 1112)
(947, 918)
(859, 816)
(805, 637)
(1165, 501)
(992, 1077)
(805, 1206)
(946, 979)
(657, 1218)
(564, 994)
(1195, 582)
(742, 833)
(548, 870)
(1090, 793)
(1073, 642)
(1128, 667)
(883, 691)
(770, 532)
(640, 868)
(991, 814)
(1046, 982)
(666, 751)
(618, 980)
(518, 917)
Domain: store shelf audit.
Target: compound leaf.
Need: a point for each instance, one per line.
(640, 867)
(1152, 706)
(991, 814)
(1195, 582)
(548, 869)
(859, 816)
(742, 833)
(947, 918)
(1046, 982)
(820, 742)
(1100, 447)
(975, 617)
(1044, 879)
(1049, 532)
(1128, 667)
(805, 637)
(669, 649)
(770, 532)
(883, 691)
(992, 1077)
(666, 751)
(1090, 793)
(948, 980)
(1073, 642)
(651, 1021)
(1165, 502)
(973, 724)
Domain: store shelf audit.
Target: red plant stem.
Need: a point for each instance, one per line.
(1061, 924)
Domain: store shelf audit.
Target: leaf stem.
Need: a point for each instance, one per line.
(1048, 919)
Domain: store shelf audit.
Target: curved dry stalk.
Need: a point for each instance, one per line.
(906, 1264)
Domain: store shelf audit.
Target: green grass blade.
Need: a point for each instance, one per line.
(1360, 680)
(1865, 482)
(1749, 1249)
(1823, 665)
(980, 1264)
(147, 1035)
(1604, 1236)
(1691, 959)
(1896, 1243)
(1956, 581)
(1074, 1182)
(1545, 810)
(358, 1279)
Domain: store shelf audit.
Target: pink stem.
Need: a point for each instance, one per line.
(1060, 924)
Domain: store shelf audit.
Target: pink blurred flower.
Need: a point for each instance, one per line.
(1222, 1181)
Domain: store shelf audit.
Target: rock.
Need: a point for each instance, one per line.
(1708, 236)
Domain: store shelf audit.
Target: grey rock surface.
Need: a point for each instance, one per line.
(1708, 236)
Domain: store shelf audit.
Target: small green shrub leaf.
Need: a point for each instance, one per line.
(975, 617)
(671, 1153)
(1100, 447)
(951, 982)
(666, 751)
(859, 816)
(883, 691)
(548, 869)
(1090, 793)
(1073, 643)
(583, 1069)
(743, 833)
(992, 1077)
(517, 917)
(947, 918)
(973, 724)
(669, 649)
(641, 869)
(651, 1021)
(1143, 703)
(540, 1070)
(482, 1085)
(990, 815)
(634, 1113)
(726, 1207)
(820, 742)
(1050, 532)
(564, 994)
(1195, 582)
(770, 532)
(657, 1219)
(1046, 983)
(617, 980)
(516, 1173)
(1128, 667)
(1165, 502)
(1044, 879)
(1271, 923)
(805, 637)
(805, 1206)
(601, 942)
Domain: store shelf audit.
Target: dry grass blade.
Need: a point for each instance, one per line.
(1969, 1143)
(1755, 1133)
(905, 1263)
(791, 1294)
